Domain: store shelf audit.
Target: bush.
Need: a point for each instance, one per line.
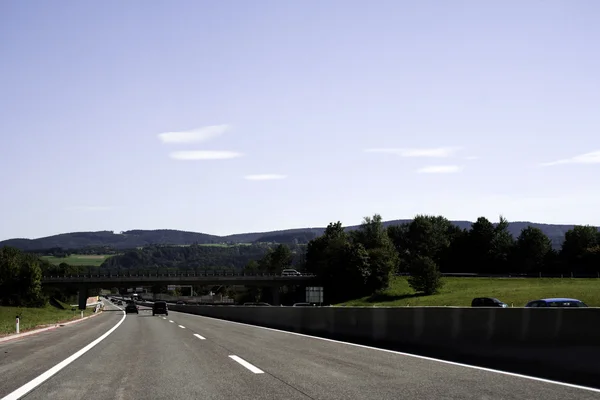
(424, 276)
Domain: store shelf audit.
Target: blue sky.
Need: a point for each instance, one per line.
(111, 109)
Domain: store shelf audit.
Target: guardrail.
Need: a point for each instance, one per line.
(186, 275)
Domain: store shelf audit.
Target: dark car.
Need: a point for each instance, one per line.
(488, 302)
(131, 308)
(160, 307)
(556, 303)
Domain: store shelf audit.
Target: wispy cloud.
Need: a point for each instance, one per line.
(424, 152)
(204, 155)
(587, 158)
(472, 158)
(440, 169)
(264, 177)
(88, 208)
(195, 135)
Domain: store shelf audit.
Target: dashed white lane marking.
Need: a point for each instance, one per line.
(182, 327)
(199, 337)
(164, 317)
(171, 321)
(246, 364)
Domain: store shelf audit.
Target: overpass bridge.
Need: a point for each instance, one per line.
(83, 282)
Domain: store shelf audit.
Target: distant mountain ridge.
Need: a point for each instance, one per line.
(139, 238)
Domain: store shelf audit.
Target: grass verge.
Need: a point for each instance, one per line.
(32, 318)
(460, 291)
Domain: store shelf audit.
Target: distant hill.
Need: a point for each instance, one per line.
(139, 238)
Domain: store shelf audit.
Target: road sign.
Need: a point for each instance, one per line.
(171, 287)
(314, 294)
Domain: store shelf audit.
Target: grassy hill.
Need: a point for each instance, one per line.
(459, 292)
(139, 238)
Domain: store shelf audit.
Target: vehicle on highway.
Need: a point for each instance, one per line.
(257, 304)
(119, 303)
(160, 307)
(131, 308)
(303, 305)
(487, 302)
(180, 303)
(558, 302)
(290, 272)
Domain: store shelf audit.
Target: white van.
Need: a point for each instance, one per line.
(290, 272)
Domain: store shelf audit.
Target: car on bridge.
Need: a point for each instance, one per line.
(160, 307)
(290, 272)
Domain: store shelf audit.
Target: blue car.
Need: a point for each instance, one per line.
(558, 302)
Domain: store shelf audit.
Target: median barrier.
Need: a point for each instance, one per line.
(560, 344)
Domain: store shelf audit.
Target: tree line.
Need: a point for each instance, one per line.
(350, 264)
(359, 263)
(188, 257)
(20, 279)
(430, 245)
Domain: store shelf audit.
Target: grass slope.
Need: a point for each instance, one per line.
(460, 292)
(36, 317)
(93, 260)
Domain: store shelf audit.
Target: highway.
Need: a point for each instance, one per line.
(187, 356)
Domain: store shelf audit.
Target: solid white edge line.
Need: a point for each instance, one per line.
(29, 386)
(199, 337)
(182, 327)
(496, 371)
(246, 364)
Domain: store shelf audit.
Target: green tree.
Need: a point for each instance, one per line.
(398, 234)
(577, 252)
(30, 282)
(424, 276)
(20, 279)
(280, 259)
(342, 266)
(501, 246)
(252, 267)
(531, 250)
(382, 254)
(428, 236)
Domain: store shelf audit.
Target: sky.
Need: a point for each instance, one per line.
(243, 116)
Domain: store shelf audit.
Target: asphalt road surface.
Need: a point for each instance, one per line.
(190, 357)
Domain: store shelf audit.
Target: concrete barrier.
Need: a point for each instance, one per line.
(560, 344)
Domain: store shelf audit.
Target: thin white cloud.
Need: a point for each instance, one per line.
(440, 169)
(195, 135)
(472, 158)
(264, 177)
(204, 155)
(424, 152)
(587, 158)
(88, 208)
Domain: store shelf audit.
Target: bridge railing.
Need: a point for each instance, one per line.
(181, 275)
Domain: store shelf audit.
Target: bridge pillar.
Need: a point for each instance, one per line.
(275, 296)
(83, 295)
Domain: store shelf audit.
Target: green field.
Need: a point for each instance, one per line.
(36, 317)
(460, 291)
(93, 260)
